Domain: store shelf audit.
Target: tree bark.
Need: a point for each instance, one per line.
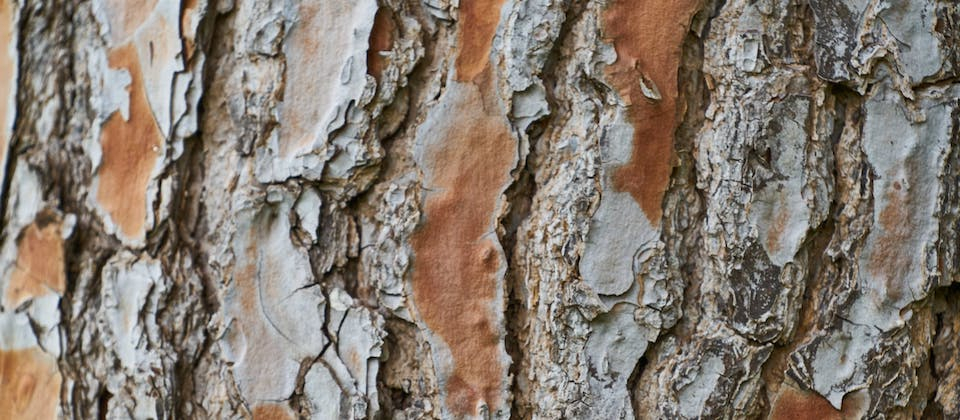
(530, 209)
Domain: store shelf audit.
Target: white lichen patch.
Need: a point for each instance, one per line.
(619, 229)
(907, 149)
(778, 209)
(275, 313)
(342, 383)
(325, 49)
(909, 159)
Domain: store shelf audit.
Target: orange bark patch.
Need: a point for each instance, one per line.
(648, 37)
(381, 39)
(775, 234)
(796, 404)
(247, 283)
(29, 384)
(456, 272)
(39, 268)
(455, 275)
(478, 25)
(130, 151)
(187, 14)
(311, 49)
(126, 16)
(272, 412)
(892, 258)
(7, 82)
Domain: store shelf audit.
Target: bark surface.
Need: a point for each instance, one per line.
(497, 209)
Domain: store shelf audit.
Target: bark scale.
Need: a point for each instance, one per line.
(479, 209)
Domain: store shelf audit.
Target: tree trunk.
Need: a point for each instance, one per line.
(530, 209)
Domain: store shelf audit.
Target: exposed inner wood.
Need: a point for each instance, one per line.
(457, 272)
(8, 91)
(796, 404)
(39, 269)
(270, 411)
(29, 384)
(648, 37)
(130, 151)
(455, 276)
(381, 39)
(187, 16)
(891, 260)
(478, 24)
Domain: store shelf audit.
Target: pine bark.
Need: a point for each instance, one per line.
(529, 209)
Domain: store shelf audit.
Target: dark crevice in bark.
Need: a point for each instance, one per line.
(48, 39)
(102, 403)
(339, 221)
(683, 203)
(402, 335)
(944, 344)
(520, 196)
(945, 298)
(183, 233)
(815, 251)
(185, 283)
(44, 41)
(949, 242)
(931, 408)
(400, 347)
(774, 371)
(297, 400)
(634, 379)
(412, 93)
(343, 273)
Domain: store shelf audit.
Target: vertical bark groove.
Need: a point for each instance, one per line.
(524, 209)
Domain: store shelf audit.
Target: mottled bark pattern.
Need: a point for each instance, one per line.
(497, 209)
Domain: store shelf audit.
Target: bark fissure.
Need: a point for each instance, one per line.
(529, 209)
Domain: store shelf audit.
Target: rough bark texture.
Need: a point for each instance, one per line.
(529, 209)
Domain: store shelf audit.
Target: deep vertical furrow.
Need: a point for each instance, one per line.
(530, 209)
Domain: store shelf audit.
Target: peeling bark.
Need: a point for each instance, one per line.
(530, 209)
